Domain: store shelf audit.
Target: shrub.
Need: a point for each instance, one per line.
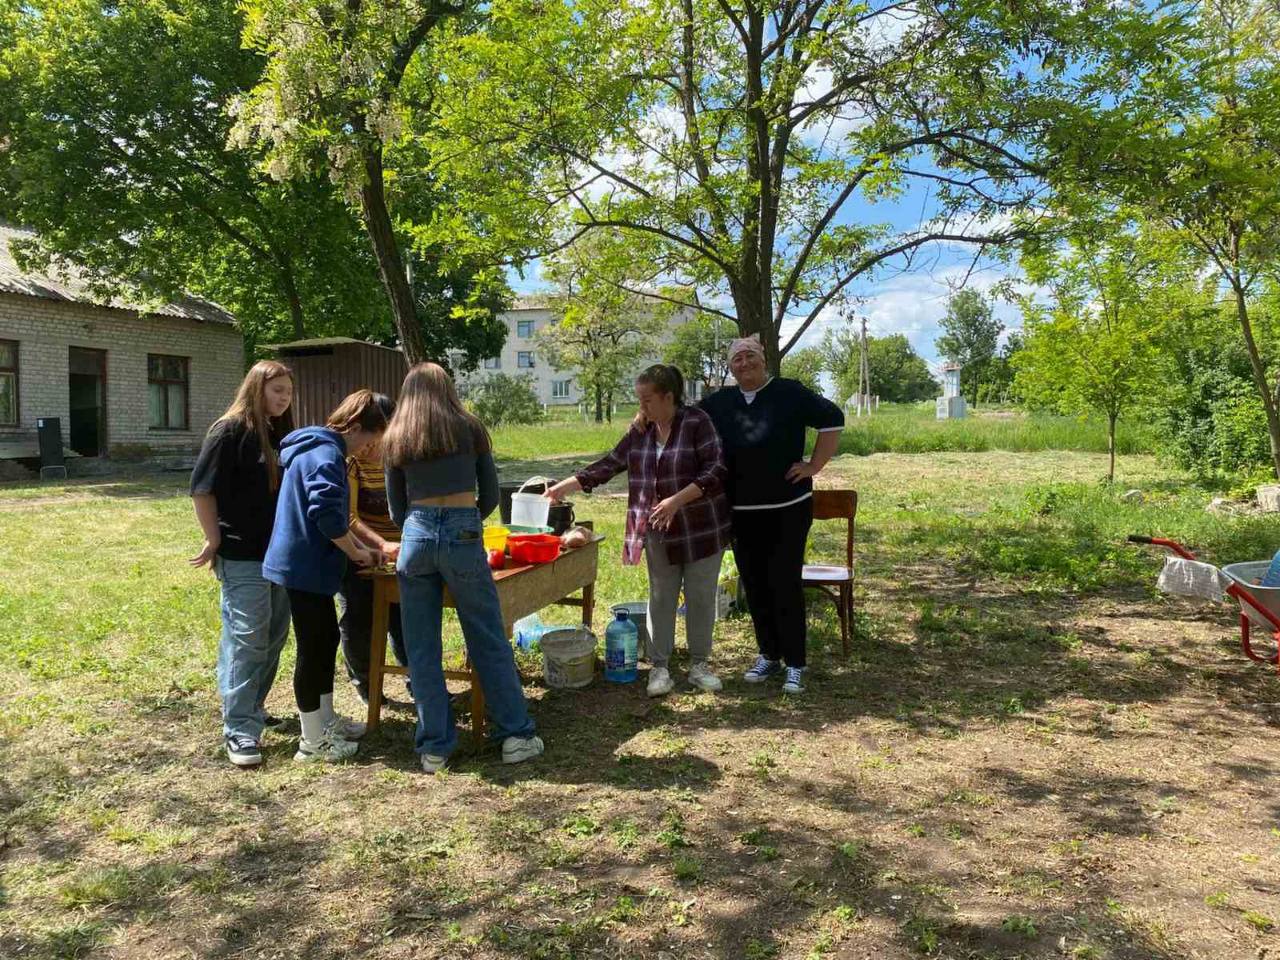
(500, 399)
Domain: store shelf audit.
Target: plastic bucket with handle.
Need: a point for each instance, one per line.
(530, 509)
(568, 657)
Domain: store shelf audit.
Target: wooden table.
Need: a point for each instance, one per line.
(522, 590)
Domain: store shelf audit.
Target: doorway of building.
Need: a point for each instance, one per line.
(87, 375)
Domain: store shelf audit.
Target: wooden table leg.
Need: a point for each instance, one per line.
(588, 603)
(378, 648)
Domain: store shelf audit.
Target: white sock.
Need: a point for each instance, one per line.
(313, 724)
(326, 707)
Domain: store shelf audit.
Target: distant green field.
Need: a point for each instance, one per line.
(894, 428)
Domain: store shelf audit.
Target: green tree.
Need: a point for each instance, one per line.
(971, 335)
(700, 348)
(730, 141)
(898, 374)
(354, 86)
(1193, 143)
(114, 123)
(502, 399)
(1093, 347)
(601, 330)
(806, 365)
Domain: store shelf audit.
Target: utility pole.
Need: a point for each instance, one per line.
(864, 374)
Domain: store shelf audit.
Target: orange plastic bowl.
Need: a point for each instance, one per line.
(533, 547)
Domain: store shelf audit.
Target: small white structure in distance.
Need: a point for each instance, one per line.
(951, 404)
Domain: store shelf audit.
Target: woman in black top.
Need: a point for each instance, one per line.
(762, 423)
(234, 486)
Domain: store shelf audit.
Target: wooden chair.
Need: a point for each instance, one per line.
(836, 583)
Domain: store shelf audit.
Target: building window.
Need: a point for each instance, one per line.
(167, 392)
(9, 383)
(524, 328)
(524, 359)
(493, 363)
(559, 389)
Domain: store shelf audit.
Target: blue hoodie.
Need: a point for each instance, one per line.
(311, 513)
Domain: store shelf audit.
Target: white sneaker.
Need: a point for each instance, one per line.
(330, 748)
(518, 749)
(431, 763)
(700, 676)
(346, 728)
(660, 682)
(795, 680)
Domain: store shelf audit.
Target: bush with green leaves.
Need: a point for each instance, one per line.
(502, 399)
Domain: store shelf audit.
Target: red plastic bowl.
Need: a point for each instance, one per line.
(533, 547)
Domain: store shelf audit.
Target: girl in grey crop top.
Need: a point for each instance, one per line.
(439, 477)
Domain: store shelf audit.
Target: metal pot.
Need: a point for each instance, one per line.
(560, 517)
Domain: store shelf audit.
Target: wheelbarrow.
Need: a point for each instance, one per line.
(1259, 605)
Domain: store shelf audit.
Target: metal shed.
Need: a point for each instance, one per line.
(328, 368)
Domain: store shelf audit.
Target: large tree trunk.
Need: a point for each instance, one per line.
(294, 300)
(1259, 375)
(377, 223)
(599, 405)
(756, 317)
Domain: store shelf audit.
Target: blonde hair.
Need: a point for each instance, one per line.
(430, 421)
(250, 408)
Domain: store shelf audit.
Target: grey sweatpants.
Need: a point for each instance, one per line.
(699, 580)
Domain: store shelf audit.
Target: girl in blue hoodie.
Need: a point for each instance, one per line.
(309, 549)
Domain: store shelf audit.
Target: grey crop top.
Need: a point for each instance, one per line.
(456, 473)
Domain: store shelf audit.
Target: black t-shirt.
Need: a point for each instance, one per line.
(762, 439)
(231, 467)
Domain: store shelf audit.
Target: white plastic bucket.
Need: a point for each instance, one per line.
(568, 657)
(529, 509)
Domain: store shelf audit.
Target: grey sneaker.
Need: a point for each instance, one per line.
(762, 669)
(431, 763)
(330, 748)
(243, 751)
(519, 749)
(660, 682)
(346, 728)
(701, 677)
(795, 680)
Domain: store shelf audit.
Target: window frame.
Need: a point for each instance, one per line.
(493, 363)
(521, 356)
(522, 326)
(17, 383)
(166, 381)
(557, 386)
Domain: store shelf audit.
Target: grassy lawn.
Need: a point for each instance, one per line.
(1028, 755)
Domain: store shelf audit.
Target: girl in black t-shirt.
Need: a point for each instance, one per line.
(234, 486)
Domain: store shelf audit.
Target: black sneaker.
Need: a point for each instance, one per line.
(243, 751)
(272, 722)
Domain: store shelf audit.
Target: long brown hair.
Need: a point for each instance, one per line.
(250, 408)
(430, 421)
(362, 410)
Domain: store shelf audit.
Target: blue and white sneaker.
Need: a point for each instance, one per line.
(795, 680)
(762, 670)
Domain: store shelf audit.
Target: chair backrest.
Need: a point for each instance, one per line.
(838, 505)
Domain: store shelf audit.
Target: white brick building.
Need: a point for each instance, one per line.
(520, 355)
(121, 377)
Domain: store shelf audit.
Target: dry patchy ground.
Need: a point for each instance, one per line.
(1038, 764)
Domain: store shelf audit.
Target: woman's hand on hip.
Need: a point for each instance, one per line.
(802, 470)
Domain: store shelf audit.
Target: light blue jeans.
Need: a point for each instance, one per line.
(255, 625)
(442, 546)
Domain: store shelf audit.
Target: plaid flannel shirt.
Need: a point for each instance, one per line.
(692, 455)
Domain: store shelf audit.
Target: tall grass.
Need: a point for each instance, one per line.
(912, 428)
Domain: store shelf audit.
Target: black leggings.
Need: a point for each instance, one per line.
(768, 547)
(315, 632)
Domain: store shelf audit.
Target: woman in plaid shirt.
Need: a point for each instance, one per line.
(677, 515)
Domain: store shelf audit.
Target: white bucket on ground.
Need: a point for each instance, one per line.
(568, 657)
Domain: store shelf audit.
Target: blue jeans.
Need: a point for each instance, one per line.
(255, 625)
(442, 546)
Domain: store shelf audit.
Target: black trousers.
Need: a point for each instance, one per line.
(356, 627)
(768, 546)
(315, 632)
